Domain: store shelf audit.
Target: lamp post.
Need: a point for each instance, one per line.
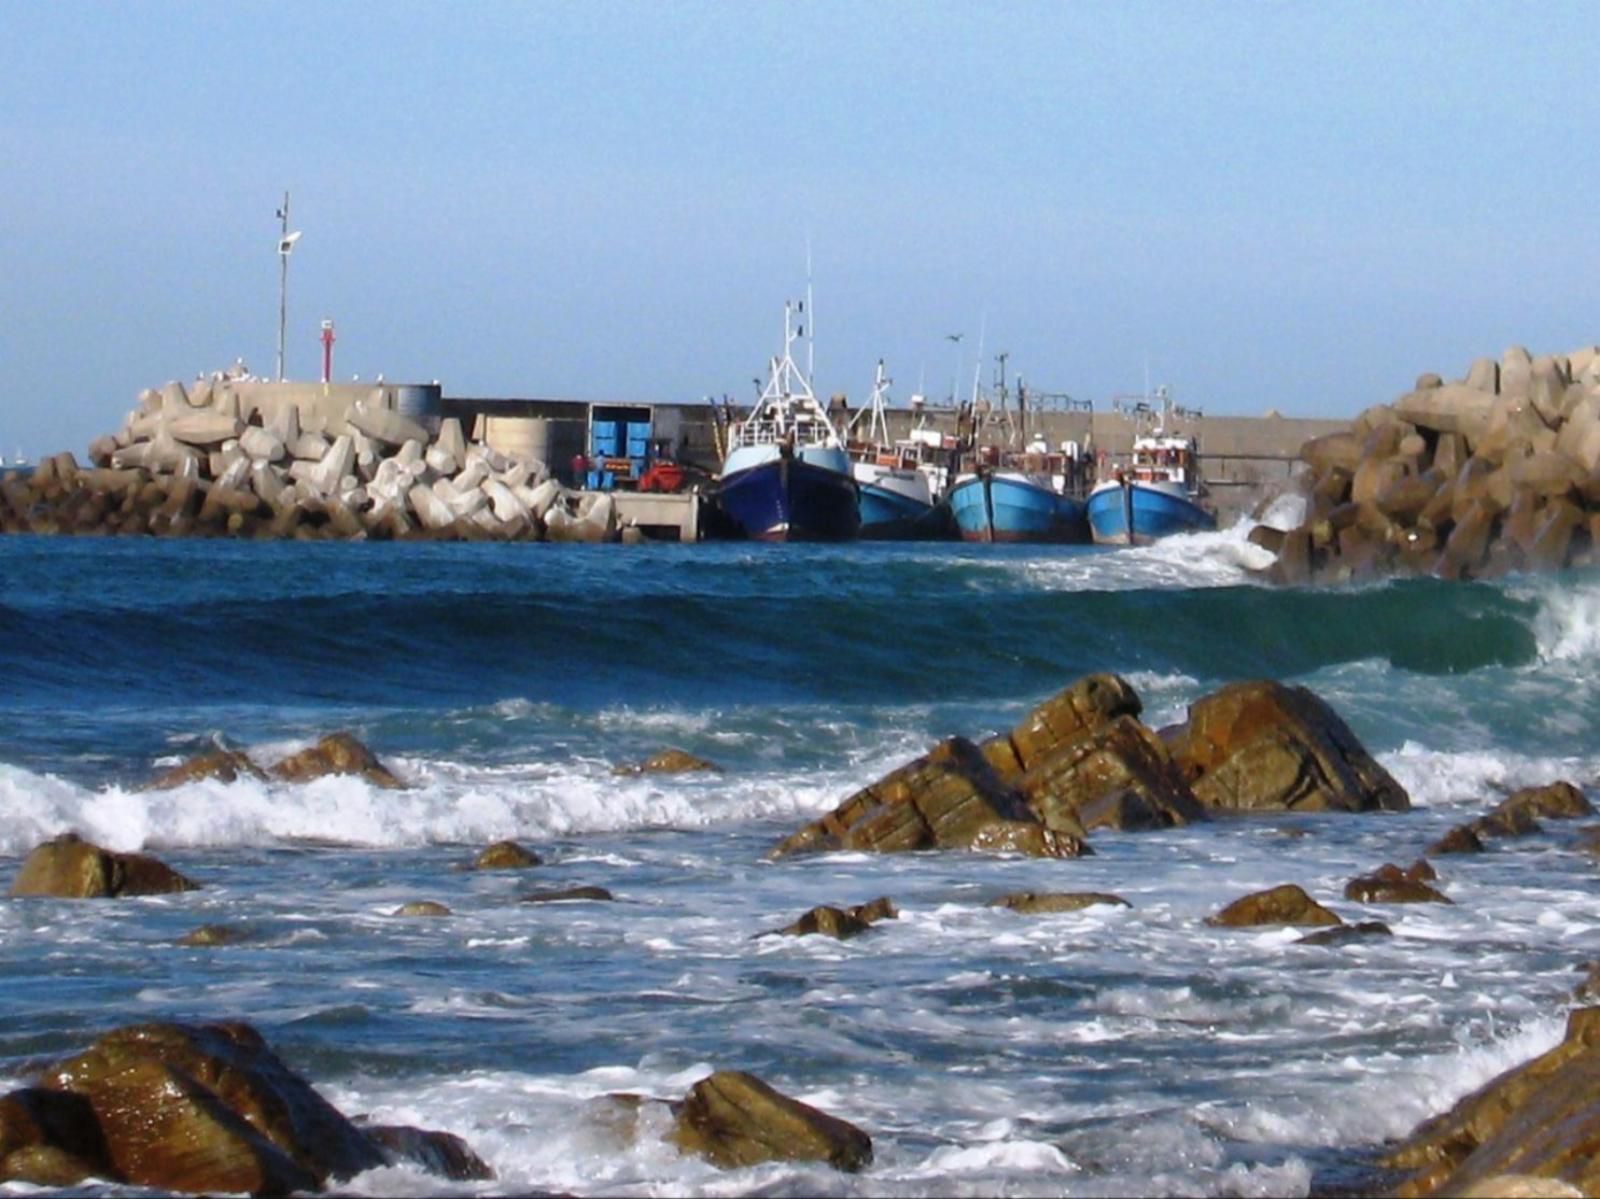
(286, 242)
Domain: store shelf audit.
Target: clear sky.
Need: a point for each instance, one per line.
(1290, 206)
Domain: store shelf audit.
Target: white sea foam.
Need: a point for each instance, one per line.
(1436, 778)
(448, 803)
(1568, 622)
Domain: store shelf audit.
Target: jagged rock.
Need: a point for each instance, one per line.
(950, 798)
(219, 763)
(422, 907)
(506, 855)
(1088, 703)
(1287, 904)
(1262, 745)
(1115, 775)
(841, 923)
(733, 1119)
(669, 761)
(1538, 1119)
(1033, 903)
(68, 867)
(337, 753)
(200, 1109)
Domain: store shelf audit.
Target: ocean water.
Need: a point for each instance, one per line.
(1108, 1051)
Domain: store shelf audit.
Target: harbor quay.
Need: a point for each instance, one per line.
(245, 457)
(1242, 459)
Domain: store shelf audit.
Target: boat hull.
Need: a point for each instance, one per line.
(1007, 508)
(790, 499)
(900, 509)
(1135, 514)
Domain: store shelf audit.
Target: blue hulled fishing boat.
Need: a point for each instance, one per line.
(786, 475)
(1157, 493)
(901, 481)
(1020, 495)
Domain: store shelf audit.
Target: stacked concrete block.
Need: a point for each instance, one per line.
(191, 461)
(1494, 473)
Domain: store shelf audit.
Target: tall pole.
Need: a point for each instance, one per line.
(283, 280)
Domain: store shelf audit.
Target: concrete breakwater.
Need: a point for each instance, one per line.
(240, 461)
(1496, 472)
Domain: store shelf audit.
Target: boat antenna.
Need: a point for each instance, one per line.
(977, 370)
(811, 340)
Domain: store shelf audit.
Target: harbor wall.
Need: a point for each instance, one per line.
(1242, 458)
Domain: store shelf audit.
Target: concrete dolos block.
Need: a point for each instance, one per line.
(385, 425)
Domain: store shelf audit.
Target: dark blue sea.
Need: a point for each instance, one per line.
(1103, 1052)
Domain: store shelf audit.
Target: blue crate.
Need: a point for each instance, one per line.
(593, 482)
(638, 447)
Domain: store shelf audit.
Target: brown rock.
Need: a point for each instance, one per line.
(733, 1119)
(1293, 566)
(1033, 903)
(950, 798)
(506, 855)
(1114, 775)
(1377, 888)
(442, 1154)
(1502, 821)
(1262, 745)
(69, 867)
(1343, 934)
(1539, 1119)
(841, 923)
(220, 763)
(337, 753)
(422, 907)
(1460, 839)
(1287, 904)
(1087, 704)
(562, 894)
(209, 935)
(669, 761)
(210, 1108)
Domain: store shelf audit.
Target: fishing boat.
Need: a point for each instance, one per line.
(901, 481)
(786, 475)
(1026, 494)
(1158, 491)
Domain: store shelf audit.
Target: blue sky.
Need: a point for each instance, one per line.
(1297, 207)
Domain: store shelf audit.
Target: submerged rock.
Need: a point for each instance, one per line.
(1392, 888)
(337, 753)
(506, 855)
(211, 935)
(225, 765)
(1033, 903)
(69, 867)
(563, 894)
(841, 923)
(1343, 934)
(1539, 1119)
(1288, 904)
(669, 761)
(1257, 745)
(422, 907)
(192, 1108)
(1460, 839)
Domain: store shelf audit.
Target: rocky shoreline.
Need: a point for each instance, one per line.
(233, 1117)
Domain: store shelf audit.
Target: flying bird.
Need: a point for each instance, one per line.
(954, 336)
